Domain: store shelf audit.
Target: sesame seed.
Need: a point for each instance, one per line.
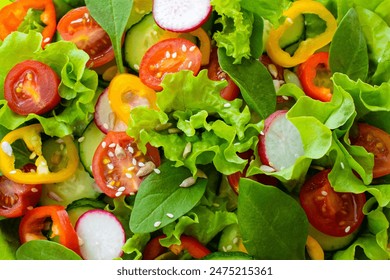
(6, 147)
(235, 240)
(134, 161)
(224, 248)
(136, 66)
(184, 48)
(157, 171)
(229, 247)
(347, 229)
(285, 97)
(174, 55)
(110, 166)
(167, 54)
(12, 172)
(170, 215)
(104, 144)
(117, 194)
(157, 224)
(105, 125)
(262, 133)
(112, 145)
(121, 189)
(266, 168)
(140, 164)
(129, 175)
(189, 64)
(81, 139)
(227, 105)
(34, 190)
(324, 193)
(33, 155)
(30, 207)
(130, 149)
(289, 20)
(46, 40)
(132, 193)
(192, 48)
(342, 165)
(111, 154)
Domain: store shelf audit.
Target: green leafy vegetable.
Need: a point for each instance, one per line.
(160, 199)
(112, 16)
(217, 129)
(77, 88)
(274, 215)
(348, 50)
(254, 81)
(45, 250)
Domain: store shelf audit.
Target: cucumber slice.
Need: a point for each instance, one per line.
(331, 243)
(142, 36)
(92, 137)
(293, 33)
(228, 256)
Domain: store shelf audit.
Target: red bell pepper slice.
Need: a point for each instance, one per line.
(188, 243)
(12, 15)
(308, 76)
(52, 219)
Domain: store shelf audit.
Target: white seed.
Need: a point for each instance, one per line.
(112, 145)
(187, 149)
(104, 144)
(170, 215)
(342, 165)
(157, 171)
(192, 48)
(157, 224)
(273, 70)
(33, 155)
(118, 194)
(285, 97)
(227, 105)
(146, 169)
(347, 229)
(184, 48)
(188, 182)
(121, 189)
(129, 175)
(30, 207)
(120, 152)
(34, 190)
(324, 193)
(266, 168)
(6, 147)
(167, 54)
(81, 139)
(54, 196)
(174, 55)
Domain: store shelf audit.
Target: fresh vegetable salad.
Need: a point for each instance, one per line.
(199, 129)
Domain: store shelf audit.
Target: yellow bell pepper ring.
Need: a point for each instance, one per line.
(125, 92)
(307, 47)
(42, 175)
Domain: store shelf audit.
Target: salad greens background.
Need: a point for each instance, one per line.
(218, 129)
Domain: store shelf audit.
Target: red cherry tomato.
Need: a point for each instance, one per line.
(375, 141)
(168, 56)
(117, 161)
(31, 87)
(215, 73)
(16, 199)
(79, 27)
(49, 222)
(333, 213)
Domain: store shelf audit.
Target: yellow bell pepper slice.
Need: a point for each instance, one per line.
(125, 92)
(307, 47)
(32, 138)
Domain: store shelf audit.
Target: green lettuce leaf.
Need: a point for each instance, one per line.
(217, 129)
(237, 26)
(77, 88)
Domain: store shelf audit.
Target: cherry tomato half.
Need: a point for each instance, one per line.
(79, 27)
(333, 213)
(231, 91)
(168, 56)
(31, 87)
(117, 164)
(15, 198)
(375, 141)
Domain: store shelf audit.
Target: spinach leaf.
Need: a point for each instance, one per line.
(254, 81)
(348, 51)
(45, 250)
(272, 223)
(9, 238)
(160, 200)
(112, 16)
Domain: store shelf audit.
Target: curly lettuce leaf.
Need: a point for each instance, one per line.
(77, 88)
(217, 129)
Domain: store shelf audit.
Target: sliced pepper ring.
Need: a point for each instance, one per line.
(32, 138)
(307, 47)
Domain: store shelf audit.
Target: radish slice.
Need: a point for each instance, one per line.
(280, 142)
(105, 119)
(181, 15)
(102, 235)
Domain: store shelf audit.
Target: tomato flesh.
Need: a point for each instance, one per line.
(31, 87)
(117, 161)
(168, 56)
(16, 199)
(79, 27)
(333, 213)
(375, 141)
(215, 73)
